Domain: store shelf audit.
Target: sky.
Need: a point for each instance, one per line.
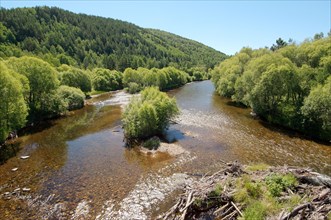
(226, 26)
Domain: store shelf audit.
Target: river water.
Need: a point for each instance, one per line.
(79, 167)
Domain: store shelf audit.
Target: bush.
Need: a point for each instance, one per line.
(152, 143)
(148, 115)
(76, 78)
(74, 97)
(278, 183)
(106, 80)
(133, 87)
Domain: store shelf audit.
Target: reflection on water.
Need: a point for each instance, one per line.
(231, 133)
(81, 159)
(8, 151)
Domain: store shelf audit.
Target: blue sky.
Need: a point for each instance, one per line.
(224, 25)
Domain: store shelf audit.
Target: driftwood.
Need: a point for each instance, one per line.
(296, 210)
(200, 201)
(309, 177)
(185, 207)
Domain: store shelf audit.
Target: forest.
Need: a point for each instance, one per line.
(288, 85)
(62, 37)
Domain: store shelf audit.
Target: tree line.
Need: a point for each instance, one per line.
(62, 37)
(289, 85)
(32, 90)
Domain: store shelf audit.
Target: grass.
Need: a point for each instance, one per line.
(257, 167)
(255, 211)
(247, 189)
(260, 198)
(217, 191)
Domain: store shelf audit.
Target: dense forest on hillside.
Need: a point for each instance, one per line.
(289, 85)
(62, 37)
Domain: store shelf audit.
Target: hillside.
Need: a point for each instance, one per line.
(62, 37)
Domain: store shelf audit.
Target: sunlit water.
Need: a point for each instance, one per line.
(79, 168)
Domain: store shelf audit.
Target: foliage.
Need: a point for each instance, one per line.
(13, 110)
(165, 78)
(43, 83)
(107, 80)
(73, 97)
(148, 115)
(278, 183)
(77, 78)
(316, 108)
(279, 44)
(282, 86)
(62, 37)
(152, 143)
(133, 87)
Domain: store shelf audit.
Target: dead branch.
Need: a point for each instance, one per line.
(234, 205)
(296, 210)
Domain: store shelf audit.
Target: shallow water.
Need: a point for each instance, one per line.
(79, 168)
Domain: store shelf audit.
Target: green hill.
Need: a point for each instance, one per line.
(62, 37)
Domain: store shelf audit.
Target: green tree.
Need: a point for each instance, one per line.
(43, 83)
(13, 110)
(131, 75)
(77, 78)
(317, 110)
(106, 80)
(73, 97)
(279, 44)
(148, 114)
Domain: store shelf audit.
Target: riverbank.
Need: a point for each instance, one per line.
(255, 192)
(79, 167)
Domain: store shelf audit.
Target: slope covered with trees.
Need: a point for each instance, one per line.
(62, 37)
(289, 85)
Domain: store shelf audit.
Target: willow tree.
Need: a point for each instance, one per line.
(148, 115)
(317, 110)
(13, 110)
(43, 82)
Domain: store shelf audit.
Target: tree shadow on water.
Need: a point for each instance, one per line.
(8, 151)
(291, 133)
(173, 135)
(236, 104)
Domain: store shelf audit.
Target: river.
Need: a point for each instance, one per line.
(79, 167)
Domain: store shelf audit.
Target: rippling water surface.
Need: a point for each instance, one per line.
(79, 168)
